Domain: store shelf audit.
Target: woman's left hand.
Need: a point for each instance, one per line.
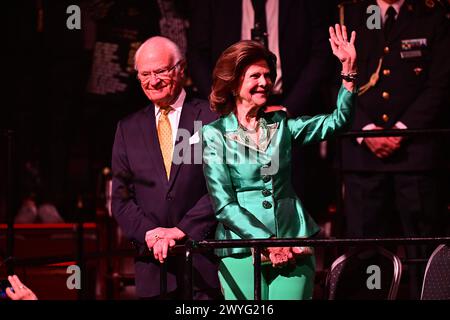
(343, 49)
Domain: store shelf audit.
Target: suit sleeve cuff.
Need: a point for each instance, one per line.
(400, 125)
(369, 126)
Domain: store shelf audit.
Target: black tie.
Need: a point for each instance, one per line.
(390, 20)
(259, 31)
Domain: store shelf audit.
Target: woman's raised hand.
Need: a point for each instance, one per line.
(343, 49)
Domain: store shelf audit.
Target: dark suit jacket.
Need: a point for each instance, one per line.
(417, 87)
(303, 42)
(143, 199)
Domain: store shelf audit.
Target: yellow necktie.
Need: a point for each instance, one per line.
(165, 138)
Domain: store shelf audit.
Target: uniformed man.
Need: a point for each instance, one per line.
(392, 184)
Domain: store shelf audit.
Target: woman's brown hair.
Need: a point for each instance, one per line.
(228, 71)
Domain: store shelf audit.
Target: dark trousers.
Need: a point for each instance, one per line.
(396, 205)
(203, 288)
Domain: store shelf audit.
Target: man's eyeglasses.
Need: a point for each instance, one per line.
(160, 74)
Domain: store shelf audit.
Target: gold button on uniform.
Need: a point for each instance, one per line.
(385, 117)
(386, 50)
(385, 95)
(386, 72)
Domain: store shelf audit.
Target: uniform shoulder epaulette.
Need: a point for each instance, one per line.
(429, 3)
(436, 6)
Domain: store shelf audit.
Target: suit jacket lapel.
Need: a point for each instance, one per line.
(273, 122)
(150, 136)
(272, 127)
(189, 114)
(234, 29)
(231, 127)
(283, 9)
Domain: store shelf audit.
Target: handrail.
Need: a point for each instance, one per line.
(200, 246)
(257, 244)
(394, 132)
(302, 242)
(191, 247)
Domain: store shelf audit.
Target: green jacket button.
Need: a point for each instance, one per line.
(266, 204)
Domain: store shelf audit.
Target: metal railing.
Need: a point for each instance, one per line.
(192, 247)
(395, 132)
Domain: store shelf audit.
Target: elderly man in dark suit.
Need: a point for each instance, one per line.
(159, 192)
(392, 184)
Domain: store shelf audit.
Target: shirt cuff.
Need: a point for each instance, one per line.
(400, 125)
(370, 126)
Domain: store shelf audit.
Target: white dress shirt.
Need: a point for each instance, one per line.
(174, 114)
(248, 22)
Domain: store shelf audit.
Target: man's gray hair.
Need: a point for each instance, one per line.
(160, 41)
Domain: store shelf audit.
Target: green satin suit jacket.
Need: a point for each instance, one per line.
(251, 188)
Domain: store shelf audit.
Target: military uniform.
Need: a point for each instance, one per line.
(404, 80)
(412, 86)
